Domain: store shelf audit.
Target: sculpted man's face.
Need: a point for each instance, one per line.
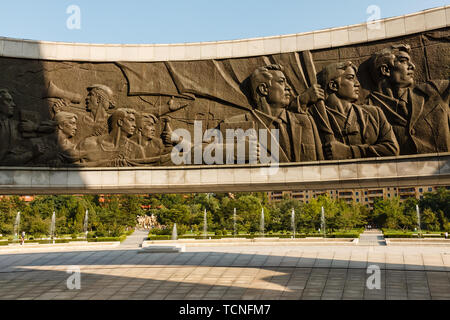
(7, 105)
(348, 85)
(69, 127)
(279, 92)
(128, 124)
(94, 101)
(402, 73)
(148, 129)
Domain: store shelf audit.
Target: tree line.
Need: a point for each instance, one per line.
(112, 215)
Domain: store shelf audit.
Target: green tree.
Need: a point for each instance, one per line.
(430, 221)
(389, 213)
(437, 201)
(248, 212)
(281, 215)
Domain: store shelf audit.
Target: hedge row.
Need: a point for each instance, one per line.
(412, 235)
(100, 239)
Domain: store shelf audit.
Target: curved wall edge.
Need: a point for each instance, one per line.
(426, 20)
(400, 171)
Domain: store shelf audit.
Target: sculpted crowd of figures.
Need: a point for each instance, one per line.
(325, 122)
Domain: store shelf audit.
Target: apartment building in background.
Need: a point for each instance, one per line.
(365, 196)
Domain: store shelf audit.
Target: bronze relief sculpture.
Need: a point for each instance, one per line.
(371, 101)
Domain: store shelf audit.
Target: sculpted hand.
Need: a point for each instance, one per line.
(170, 138)
(59, 105)
(27, 126)
(47, 126)
(175, 106)
(38, 149)
(312, 94)
(336, 150)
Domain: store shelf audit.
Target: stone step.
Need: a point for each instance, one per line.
(163, 249)
(372, 238)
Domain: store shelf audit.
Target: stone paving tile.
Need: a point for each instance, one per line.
(358, 260)
(433, 262)
(273, 260)
(341, 259)
(395, 261)
(332, 294)
(446, 261)
(307, 259)
(376, 258)
(324, 260)
(438, 284)
(413, 262)
(290, 259)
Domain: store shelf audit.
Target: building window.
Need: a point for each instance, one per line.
(367, 199)
(357, 200)
(389, 195)
(365, 193)
(420, 190)
(357, 193)
(307, 198)
(430, 189)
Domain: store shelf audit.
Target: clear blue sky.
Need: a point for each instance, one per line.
(178, 21)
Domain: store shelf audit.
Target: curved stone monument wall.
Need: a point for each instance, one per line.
(368, 91)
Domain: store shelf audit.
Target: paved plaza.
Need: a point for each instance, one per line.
(227, 273)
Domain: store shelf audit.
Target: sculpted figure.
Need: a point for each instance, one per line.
(360, 131)
(66, 130)
(98, 102)
(155, 151)
(67, 151)
(419, 113)
(115, 148)
(61, 148)
(14, 150)
(145, 135)
(272, 95)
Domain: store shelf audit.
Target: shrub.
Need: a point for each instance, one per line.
(343, 235)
